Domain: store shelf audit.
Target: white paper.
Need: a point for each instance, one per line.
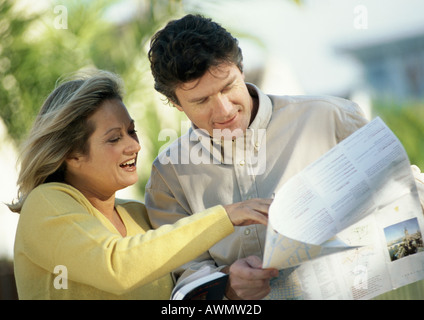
(343, 216)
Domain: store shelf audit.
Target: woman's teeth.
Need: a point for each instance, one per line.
(128, 163)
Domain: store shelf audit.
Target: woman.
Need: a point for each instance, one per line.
(74, 239)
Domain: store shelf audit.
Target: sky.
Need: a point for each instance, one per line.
(299, 49)
(397, 231)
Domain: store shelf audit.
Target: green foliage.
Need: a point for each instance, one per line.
(37, 49)
(406, 120)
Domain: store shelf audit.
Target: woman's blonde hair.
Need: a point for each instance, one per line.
(61, 129)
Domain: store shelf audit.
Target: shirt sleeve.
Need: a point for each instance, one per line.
(57, 229)
(348, 117)
(163, 204)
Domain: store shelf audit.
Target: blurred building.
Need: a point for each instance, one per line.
(394, 68)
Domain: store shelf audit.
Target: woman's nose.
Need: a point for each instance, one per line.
(133, 146)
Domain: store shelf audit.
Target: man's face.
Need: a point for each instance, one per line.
(218, 100)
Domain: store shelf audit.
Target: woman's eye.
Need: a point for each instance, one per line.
(113, 140)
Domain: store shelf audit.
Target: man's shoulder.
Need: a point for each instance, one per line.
(332, 102)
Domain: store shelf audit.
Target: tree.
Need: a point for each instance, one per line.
(39, 48)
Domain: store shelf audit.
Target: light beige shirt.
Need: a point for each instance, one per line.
(287, 134)
(196, 172)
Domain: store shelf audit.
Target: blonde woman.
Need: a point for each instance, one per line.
(83, 147)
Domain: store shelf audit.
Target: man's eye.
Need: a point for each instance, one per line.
(202, 101)
(226, 89)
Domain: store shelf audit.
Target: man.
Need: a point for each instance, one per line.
(243, 144)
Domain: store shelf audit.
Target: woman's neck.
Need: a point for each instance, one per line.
(103, 202)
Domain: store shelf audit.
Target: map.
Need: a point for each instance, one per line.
(350, 225)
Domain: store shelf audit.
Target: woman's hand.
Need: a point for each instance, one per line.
(253, 211)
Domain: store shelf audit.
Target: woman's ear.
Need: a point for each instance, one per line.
(74, 160)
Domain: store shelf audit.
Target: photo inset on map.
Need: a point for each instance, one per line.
(403, 239)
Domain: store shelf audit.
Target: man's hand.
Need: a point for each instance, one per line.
(248, 212)
(248, 280)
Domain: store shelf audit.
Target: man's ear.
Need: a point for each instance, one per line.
(176, 105)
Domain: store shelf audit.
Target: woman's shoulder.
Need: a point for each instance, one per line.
(53, 194)
(137, 210)
(131, 204)
(54, 186)
(54, 189)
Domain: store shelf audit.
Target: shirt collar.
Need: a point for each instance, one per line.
(263, 116)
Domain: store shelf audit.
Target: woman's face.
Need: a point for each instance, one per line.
(113, 148)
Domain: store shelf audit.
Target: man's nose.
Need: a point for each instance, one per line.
(222, 106)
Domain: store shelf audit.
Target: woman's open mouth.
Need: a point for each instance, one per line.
(129, 165)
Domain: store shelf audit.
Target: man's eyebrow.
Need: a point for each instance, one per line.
(194, 100)
(228, 83)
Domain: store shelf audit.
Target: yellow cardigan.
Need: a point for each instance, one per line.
(59, 228)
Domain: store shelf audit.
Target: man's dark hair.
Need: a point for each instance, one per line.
(186, 48)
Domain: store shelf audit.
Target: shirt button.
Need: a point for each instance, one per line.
(247, 232)
(242, 162)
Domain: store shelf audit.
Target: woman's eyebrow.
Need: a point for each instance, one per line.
(118, 128)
